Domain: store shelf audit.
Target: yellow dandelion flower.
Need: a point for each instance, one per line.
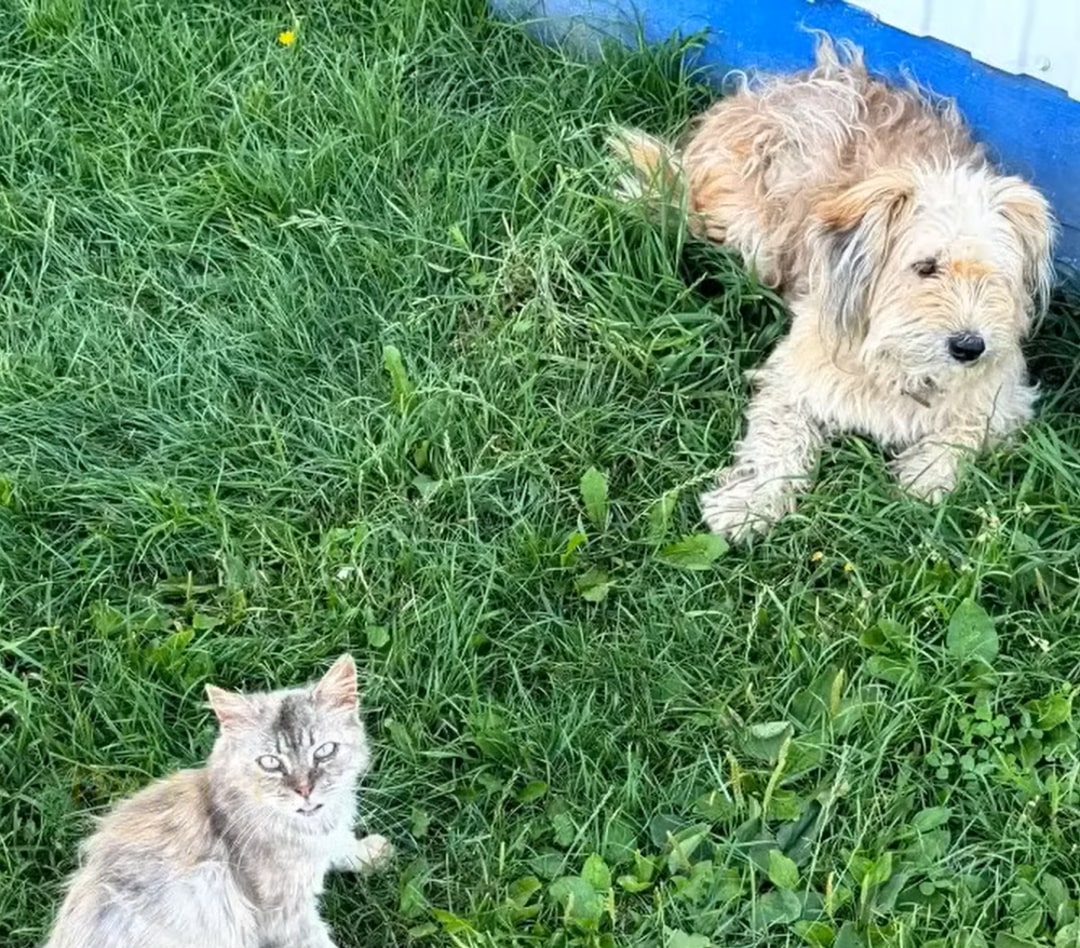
(849, 567)
(286, 37)
(817, 556)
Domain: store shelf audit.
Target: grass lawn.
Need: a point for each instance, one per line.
(310, 346)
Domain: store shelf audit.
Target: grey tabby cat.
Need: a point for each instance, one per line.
(233, 855)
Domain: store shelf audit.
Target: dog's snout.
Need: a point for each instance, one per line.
(966, 346)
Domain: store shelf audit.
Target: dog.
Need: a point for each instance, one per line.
(911, 267)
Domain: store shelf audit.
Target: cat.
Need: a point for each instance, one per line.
(233, 855)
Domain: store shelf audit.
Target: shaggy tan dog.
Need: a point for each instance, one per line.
(912, 269)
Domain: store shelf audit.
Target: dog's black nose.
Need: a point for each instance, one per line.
(966, 346)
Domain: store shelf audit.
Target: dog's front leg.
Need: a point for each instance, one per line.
(773, 463)
(929, 468)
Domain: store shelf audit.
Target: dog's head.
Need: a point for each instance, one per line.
(932, 273)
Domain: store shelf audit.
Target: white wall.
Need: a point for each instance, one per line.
(1039, 38)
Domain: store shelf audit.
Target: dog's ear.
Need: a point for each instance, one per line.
(850, 240)
(1029, 215)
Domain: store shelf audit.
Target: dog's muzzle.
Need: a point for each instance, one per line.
(966, 346)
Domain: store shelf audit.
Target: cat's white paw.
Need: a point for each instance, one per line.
(741, 506)
(364, 855)
(373, 852)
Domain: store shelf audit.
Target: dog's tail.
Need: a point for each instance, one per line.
(654, 172)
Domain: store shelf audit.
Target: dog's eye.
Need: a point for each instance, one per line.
(925, 268)
(270, 764)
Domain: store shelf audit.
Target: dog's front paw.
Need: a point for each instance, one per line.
(929, 479)
(932, 494)
(742, 505)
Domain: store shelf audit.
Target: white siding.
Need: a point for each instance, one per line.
(1039, 38)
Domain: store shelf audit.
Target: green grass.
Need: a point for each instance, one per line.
(207, 472)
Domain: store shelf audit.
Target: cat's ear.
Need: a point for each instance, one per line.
(337, 688)
(232, 710)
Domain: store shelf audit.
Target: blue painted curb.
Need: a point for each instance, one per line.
(1032, 128)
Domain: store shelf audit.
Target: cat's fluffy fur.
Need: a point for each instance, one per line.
(913, 270)
(233, 855)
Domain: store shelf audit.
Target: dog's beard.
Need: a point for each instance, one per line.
(918, 365)
(906, 346)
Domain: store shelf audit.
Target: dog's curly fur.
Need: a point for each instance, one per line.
(913, 270)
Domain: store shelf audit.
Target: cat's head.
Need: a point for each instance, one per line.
(297, 753)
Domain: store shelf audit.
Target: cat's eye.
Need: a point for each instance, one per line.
(325, 751)
(270, 763)
(925, 268)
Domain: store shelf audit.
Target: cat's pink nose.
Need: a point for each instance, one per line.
(304, 789)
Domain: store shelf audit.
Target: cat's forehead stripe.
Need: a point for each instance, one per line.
(293, 722)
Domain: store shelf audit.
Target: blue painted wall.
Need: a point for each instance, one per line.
(1033, 128)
